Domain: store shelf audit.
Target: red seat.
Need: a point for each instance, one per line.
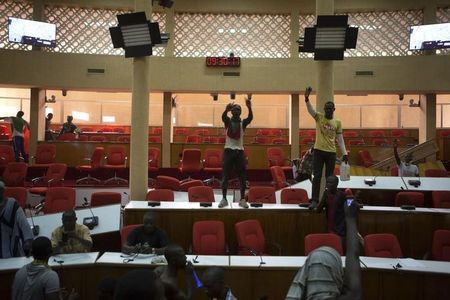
(59, 199)
(87, 129)
(45, 155)
(350, 134)
(160, 195)
(382, 245)
(221, 140)
(54, 176)
(94, 165)
(4, 132)
(263, 132)
(18, 193)
(208, 238)
(125, 231)
(398, 133)
(118, 130)
(14, 174)
(276, 157)
(440, 249)
(155, 139)
(6, 155)
(156, 130)
(380, 142)
(191, 162)
(105, 198)
(441, 199)
(280, 141)
(409, 198)
(181, 131)
(251, 240)
(445, 133)
(98, 138)
(106, 129)
(393, 171)
(167, 182)
(212, 164)
(83, 138)
(276, 132)
(67, 136)
(294, 196)
(193, 139)
(376, 133)
(317, 240)
(124, 139)
(262, 194)
(355, 142)
(278, 177)
(366, 158)
(116, 160)
(436, 173)
(201, 132)
(201, 194)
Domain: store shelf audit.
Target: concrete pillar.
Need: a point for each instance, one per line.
(167, 129)
(138, 155)
(170, 28)
(325, 78)
(295, 115)
(295, 27)
(37, 118)
(427, 120)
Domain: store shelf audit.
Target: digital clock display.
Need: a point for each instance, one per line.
(213, 61)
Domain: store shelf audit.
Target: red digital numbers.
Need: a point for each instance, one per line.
(213, 61)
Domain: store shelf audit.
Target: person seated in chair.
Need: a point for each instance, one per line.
(147, 238)
(68, 127)
(71, 237)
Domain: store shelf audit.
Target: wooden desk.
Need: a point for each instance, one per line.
(416, 279)
(288, 224)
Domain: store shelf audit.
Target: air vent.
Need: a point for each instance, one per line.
(231, 73)
(96, 71)
(364, 73)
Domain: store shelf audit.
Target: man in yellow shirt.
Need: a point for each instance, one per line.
(328, 131)
(71, 237)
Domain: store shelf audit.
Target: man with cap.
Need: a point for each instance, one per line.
(234, 155)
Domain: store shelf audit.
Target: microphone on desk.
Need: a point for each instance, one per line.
(415, 182)
(371, 181)
(254, 253)
(34, 228)
(90, 222)
(195, 261)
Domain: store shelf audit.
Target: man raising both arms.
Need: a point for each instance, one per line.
(233, 155)
(328, 130)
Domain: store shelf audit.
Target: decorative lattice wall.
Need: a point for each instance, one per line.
(305, 21)
(443, 16)
(23, 10)
(246, 35)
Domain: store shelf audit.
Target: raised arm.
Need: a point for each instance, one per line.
(249, 118)
(311, 110)
(225, 118)
(352, 274)
(397, 158)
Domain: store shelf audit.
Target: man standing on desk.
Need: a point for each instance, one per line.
(71, 237)
(147, 238)
(233, 155)
(328, 131)
(405, 168)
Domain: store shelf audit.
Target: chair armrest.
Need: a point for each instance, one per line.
(36, 180)
(53, 181)
(126, 161)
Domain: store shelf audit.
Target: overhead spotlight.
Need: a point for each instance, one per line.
(174, 101)
(412, 104)
(401, 97)
(215, 96)
(232, 95)
(64, 92)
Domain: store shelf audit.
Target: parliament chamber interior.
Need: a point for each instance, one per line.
(149, 134)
